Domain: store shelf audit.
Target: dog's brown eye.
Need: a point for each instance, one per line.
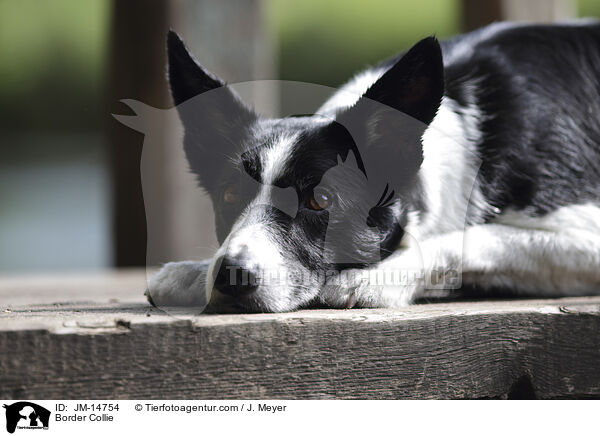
(231, 195)
(320, 199)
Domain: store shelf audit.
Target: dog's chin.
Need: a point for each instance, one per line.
(225, 307)
(224, 304)
(220, 303)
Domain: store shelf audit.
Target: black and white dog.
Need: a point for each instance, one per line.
(496, 180)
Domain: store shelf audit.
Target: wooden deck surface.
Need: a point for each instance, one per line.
(96, 337)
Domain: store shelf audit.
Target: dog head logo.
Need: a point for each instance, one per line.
(297, 196)
(295, 199)
(26, 415)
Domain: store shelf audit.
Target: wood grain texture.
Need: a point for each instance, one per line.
(501, 349)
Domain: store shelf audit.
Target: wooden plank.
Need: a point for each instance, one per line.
(497, 349)
(99, 286)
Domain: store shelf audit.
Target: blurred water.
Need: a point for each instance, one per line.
(54, 202)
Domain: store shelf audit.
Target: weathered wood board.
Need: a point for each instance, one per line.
(127, 349)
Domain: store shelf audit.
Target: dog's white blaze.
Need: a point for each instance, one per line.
(251, 232)
(252, 228)
(276, 157)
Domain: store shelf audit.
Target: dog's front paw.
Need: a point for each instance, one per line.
(342, 290)
(369, 288)
(179, 284)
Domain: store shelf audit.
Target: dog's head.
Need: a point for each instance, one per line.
(299, 198)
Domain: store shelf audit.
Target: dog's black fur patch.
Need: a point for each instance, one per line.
(538, 90)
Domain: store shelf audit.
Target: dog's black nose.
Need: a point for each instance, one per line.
(233, 278)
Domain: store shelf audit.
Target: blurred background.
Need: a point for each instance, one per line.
(70, 192)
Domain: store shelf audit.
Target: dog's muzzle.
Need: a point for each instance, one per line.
(234, 277)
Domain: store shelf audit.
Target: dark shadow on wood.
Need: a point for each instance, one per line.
(522, 389)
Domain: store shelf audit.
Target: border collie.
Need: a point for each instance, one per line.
(475, 158)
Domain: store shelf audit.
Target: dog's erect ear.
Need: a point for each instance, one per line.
(186, 76)
(215, 120)
(188, 79)
(415, 83)
(387, 122)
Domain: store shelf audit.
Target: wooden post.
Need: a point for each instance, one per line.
(137, 60)
(230, 39)
(477, 13)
